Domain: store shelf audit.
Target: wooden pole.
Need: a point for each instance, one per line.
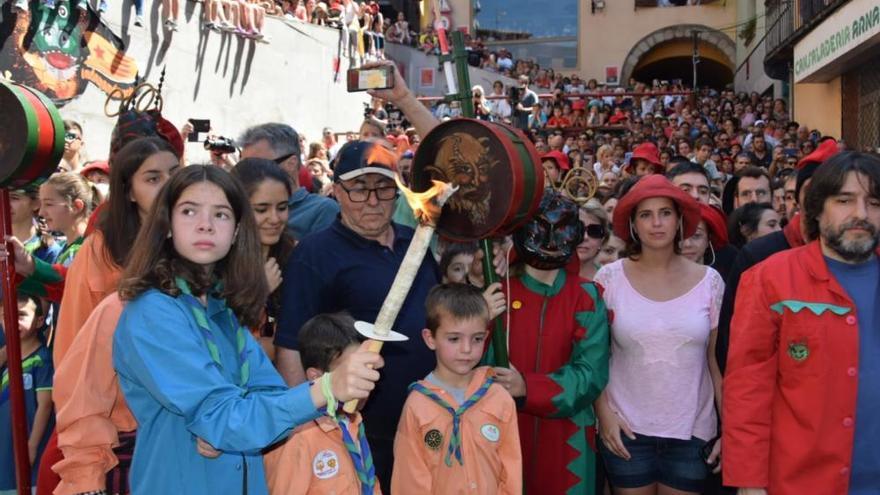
(13, 354)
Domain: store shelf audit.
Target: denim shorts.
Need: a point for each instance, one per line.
(675, 463)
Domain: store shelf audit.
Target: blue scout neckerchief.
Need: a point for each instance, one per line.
(360, 454)
(200, 313)
(455, 440)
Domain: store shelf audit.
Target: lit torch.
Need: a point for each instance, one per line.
(426, 207)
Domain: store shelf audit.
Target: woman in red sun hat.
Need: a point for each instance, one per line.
(710, 236)
(657, 417)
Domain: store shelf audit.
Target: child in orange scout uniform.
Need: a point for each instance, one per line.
(326, 455)
(458, 432)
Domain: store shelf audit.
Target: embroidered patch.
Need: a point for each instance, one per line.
(798, 351)
(490, 432)
(816, 308)
(516, 304)
(434, 439)
(28, 380)
(325, 464)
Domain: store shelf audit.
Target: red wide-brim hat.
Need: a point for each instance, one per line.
(716, 225)
(655, 186)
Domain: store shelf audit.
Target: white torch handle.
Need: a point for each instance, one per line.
(409, 268)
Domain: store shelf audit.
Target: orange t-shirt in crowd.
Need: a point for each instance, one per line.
(90, 407)
(91, 277)
(489, 444)
(314, 460)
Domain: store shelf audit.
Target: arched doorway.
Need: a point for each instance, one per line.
(667, 54)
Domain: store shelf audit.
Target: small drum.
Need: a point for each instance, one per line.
(496, 168)
(31, 137)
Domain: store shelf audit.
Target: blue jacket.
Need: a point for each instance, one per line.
(177, 393)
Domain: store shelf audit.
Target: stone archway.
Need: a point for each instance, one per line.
(678, 32)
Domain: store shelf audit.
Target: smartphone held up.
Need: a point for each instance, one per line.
(375, 78)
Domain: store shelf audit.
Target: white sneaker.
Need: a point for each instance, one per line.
(139, 21)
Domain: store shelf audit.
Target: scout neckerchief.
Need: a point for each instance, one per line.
(455, 440)
(360, 454)
(200, 313)
(65, 258)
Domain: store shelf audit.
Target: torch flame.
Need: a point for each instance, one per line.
(381, 155)
(427, 205)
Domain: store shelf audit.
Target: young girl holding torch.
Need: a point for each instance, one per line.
(206, 397)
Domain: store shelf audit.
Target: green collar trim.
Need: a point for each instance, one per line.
(31, 362)
(817, 308)
(541, 288)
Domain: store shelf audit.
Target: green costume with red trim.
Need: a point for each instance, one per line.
(47, 280)
(559, 342)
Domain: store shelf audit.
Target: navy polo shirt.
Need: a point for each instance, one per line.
(861, 281)
(338, 270)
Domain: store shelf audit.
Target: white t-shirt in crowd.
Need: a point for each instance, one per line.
(659, 378)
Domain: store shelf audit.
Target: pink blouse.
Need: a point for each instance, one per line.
(659, 375)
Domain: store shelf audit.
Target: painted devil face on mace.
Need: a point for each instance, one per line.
(466, 161)
(548, 240)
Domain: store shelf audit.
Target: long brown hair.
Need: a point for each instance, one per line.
(119, 220)
(154, 263)
(251, 172)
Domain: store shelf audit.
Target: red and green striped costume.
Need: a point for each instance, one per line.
(559, 342)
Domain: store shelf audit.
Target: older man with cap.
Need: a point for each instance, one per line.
(764, 247)
(803, 383)
(350, 267)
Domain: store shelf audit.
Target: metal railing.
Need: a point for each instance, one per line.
(788, 20)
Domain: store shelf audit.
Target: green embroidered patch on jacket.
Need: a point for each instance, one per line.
(816, 308)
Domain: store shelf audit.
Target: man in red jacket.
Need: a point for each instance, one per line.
(803, 382)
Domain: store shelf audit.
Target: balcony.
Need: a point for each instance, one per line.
(788, 21)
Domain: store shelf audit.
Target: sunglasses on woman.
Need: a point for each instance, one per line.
(595, 231)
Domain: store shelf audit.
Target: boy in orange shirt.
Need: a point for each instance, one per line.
(458, 431)
(326, 455)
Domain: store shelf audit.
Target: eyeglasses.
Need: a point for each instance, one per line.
(71, 136)
(384, 193)
(595, 231)
(283, 158)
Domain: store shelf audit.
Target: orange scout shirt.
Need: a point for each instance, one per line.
(90, 407)
(314, 460)
(489, 444)
(90, 278)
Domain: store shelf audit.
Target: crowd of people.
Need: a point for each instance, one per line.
(190, 328)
